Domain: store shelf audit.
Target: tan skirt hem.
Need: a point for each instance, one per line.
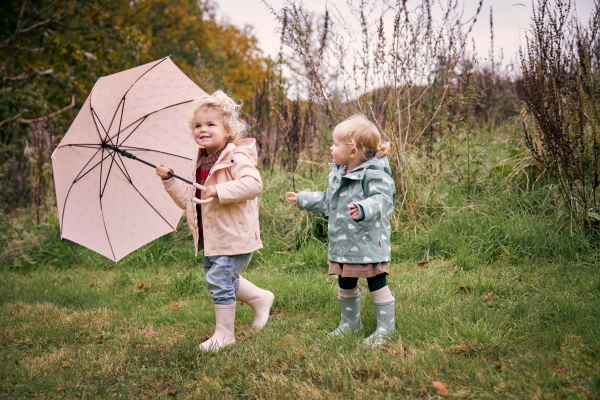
(358, 270)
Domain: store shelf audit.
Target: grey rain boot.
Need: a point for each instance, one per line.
(386, 323)
(351, 320)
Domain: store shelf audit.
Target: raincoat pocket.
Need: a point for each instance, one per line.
(239, 221)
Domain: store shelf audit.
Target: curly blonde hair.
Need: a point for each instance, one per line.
(364, 135)
(228, 109)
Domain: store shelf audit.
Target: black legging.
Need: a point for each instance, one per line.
(375, 283)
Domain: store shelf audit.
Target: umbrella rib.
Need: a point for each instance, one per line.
(134, 129)
(146, 200)
(98, 119)
(124, 168)
(136, 189)
(121, 119)
(100, 181)
(146, 116)
(127, 92)
(110, 154)
(107, 174)
(150, 204)
(83, 145)
(106, 230)
(79, 177)
(154, 151)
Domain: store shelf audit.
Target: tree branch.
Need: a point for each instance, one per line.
(48, 116)
(7, 120)
(32, 75)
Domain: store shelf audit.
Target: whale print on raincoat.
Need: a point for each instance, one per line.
(371, 187)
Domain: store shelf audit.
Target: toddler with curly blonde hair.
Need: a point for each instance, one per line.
(226, 228)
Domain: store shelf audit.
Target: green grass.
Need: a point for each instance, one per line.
(498, 297)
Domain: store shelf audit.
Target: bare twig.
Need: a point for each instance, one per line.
(48, 116)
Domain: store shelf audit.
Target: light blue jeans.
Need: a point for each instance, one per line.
(223, 276)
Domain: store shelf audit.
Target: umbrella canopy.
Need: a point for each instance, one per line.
(106, 201)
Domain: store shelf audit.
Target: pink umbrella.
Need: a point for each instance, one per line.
(108, 199)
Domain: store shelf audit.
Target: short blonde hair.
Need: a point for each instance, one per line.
(364, 135)
(227, 108)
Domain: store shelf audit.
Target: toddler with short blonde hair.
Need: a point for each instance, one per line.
(358, 201)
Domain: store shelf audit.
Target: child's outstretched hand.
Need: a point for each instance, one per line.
(353, 211)
(163, 172)
(291, 197)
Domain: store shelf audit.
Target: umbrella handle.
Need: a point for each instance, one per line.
(202, 201)
(197, 200)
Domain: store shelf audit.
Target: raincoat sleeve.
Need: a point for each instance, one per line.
(246, 183)
(379, 189)
(313, 201)
(178, 191)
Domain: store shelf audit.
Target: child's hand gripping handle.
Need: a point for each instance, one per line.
(201, 201)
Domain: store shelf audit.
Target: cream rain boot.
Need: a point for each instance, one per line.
(350, 321)
(259, 299)
(223, 336)
(386, 323)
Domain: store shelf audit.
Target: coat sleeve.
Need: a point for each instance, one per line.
(178, 191)
(313, 201)
(246, 183)
(379, 189)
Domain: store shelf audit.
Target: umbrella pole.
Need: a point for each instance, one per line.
(127, 154)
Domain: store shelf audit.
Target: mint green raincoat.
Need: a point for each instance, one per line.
(371, 187)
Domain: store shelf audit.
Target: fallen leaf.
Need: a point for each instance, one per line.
(150, 331)
(143, 287)
(440, 388)
(466, 288)
(422, 263)
(173, 392)
(488, 296)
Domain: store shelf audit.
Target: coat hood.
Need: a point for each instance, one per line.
(375, 163)
(247, 147)
(243, 147)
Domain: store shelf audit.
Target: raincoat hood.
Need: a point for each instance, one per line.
(244, 147)
(376, 163)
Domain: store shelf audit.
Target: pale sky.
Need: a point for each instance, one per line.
(511, 20)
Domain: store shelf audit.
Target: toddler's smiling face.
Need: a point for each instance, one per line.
(209, 130)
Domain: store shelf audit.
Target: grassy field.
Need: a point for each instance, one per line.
(497, 297)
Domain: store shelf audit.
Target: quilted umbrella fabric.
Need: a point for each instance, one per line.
(110, 203)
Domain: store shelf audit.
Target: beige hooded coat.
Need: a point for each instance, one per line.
(230, 223)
